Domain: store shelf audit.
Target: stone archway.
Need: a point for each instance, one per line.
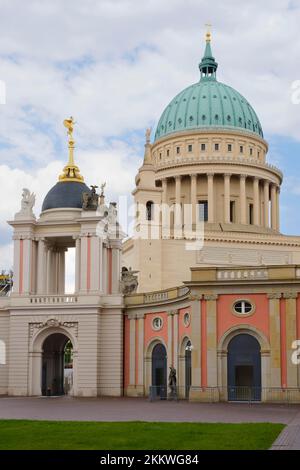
(223, 358)
(185, 367)
(54, 378)
(45, 342)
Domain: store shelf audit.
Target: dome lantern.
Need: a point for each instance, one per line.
(208, 66)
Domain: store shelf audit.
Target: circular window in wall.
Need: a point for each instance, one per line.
(243, 307)
(186, 319)
(157, 323)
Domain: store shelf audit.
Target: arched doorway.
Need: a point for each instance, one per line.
(159, 370)
(188, 368)
(244, 368)
(57, 365)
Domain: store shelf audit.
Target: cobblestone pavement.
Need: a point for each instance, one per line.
(289, 439)
(140, 409)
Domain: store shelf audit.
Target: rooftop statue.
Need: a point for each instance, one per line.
(90, 200)
(129, 281)
(27, 204)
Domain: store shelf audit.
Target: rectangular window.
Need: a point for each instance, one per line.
(177, 150)
(190, 148)
(232, 211)
(160, 156)
(168, 153)
(203, 147)
(251, 214)
(241, 149)
(216, 147)
(229, 148)
(203, 210)
(251, 152)
(258, 154)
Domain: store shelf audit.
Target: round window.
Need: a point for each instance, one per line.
(157, 323)
(186, 319)
(243, 307)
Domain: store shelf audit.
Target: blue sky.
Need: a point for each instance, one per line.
(114, 65)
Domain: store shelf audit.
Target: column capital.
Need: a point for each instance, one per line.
(274, 295)
(227, 175)
(266, 182)
(177, 177)
(193, 297)
(243, 176)
(172, 312)
(256, 178)
(193, 175)
(290, 295)
(210, 175)
(211, 296)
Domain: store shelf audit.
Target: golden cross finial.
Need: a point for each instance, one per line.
(71, 171)
(208, 32)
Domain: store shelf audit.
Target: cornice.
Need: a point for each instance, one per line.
(232, 161)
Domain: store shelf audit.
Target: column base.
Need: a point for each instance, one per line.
(135, 391)
(204, 395)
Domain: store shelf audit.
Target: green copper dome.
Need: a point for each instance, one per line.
(208, 104)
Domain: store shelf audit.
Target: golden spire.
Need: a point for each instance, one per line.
(208, 32)
(71, 172)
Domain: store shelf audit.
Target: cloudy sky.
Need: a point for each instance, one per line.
(114, 65)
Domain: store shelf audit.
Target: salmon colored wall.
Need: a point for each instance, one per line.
(150, 333)
(126, 351)
(283, 343)
(226, 319)
(183, 330)
(298, 317)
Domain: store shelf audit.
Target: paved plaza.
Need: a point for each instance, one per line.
(140, 409)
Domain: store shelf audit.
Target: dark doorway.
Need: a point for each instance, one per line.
(244, 369)
(57, 365)
(159, 371)
(188, 369)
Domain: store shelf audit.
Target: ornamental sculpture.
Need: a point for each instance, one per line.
(27, 204)
(129, 281)
(90, 200)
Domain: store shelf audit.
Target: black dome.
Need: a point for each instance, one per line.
(66, 194)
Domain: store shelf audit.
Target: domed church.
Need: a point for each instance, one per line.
(201, 302)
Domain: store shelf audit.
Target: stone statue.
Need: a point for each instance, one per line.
(172, 383)
(129, 281)
(112, 213)
(102, 186)
(148, 134)
(27, 204)
(90, 200)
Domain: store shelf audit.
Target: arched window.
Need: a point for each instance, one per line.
(2, 353)
(149, 210)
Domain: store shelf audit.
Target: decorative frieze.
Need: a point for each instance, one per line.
(53, 323)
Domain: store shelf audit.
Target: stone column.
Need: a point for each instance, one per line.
(61, 270)
(170, 339)
(165, 219)
(77, 264)
(266, 203)
(274, 315)
(16, 265)
(194, 199)
(243, 217)
(83, 263)
(175, 340)
(178, 209)
(291, 336)
(96, 252)
(116, 246)
(196, 347)
(41, 266)
(211, 324)
(227, 198)
(210, 196)
(273, 207)
(132, 352)
(278, 208)
(49, 271)
(256, 201)
(140, 347)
